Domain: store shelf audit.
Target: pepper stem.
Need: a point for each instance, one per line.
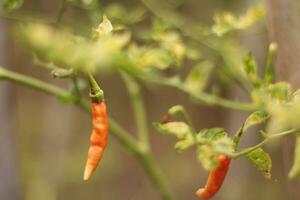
(96, 94)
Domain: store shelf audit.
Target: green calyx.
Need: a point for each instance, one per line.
(96, 94)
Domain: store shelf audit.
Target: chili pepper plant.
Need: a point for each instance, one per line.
(155, 55)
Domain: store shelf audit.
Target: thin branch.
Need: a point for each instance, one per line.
(61, 10)
(139, 111)
(200, 97)
(36, 84)
(262, 143)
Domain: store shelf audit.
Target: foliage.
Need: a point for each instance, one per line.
(10, 5)
(157, 51)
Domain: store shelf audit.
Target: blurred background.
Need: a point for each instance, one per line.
(43, 142)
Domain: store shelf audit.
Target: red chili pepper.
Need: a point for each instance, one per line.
(215, 179)
(98, 139)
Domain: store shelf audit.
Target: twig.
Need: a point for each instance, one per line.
(262, 143)
(138, 106)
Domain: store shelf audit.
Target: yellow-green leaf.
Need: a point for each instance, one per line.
(255, 118)
(198, 77)
(206, 156)
(104, 28)
(185, 143)
(251, 69)
(178, 129)
(227, 22)
(262, 161)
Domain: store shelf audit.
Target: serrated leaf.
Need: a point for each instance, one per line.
(178, 129)
(262, 161)
(10, 5)
(295, 170)
(255, 118)
(198, 77)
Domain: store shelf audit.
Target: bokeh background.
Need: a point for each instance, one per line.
(43, 142)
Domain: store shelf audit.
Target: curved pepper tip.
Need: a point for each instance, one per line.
(88, 172)
(202, 194)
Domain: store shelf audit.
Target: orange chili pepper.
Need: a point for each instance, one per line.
(98, 139)
(215, 179)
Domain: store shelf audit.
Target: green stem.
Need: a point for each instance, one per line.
(156, 175)
(96, 93)
(200, 97)
(36, 84)
(212, 100)
(138, 106)
(125, 138)
(61, 10)
(262, 143)
(237, 137)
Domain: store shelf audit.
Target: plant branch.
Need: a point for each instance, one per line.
(138, 107)
(61, 10)
(262, 143)
(200, 97)
(36, 84)
(125, 138)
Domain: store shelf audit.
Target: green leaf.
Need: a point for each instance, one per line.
(279, 91)
(184, 144)
(198, 77)
(262, 161)
(295, 170)
(213, 133)
(251, 69)
(206, 156)
(269, 71)
(171, 42)
(223, 145)
(255, 118)
(227, 22)
(175, 110)
(211, 143)
(10, 5)
(149, 57)
(157, 58)
(63, 48)
(104, 28)
(178, 129)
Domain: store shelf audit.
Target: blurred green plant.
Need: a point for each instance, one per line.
(156, 54)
